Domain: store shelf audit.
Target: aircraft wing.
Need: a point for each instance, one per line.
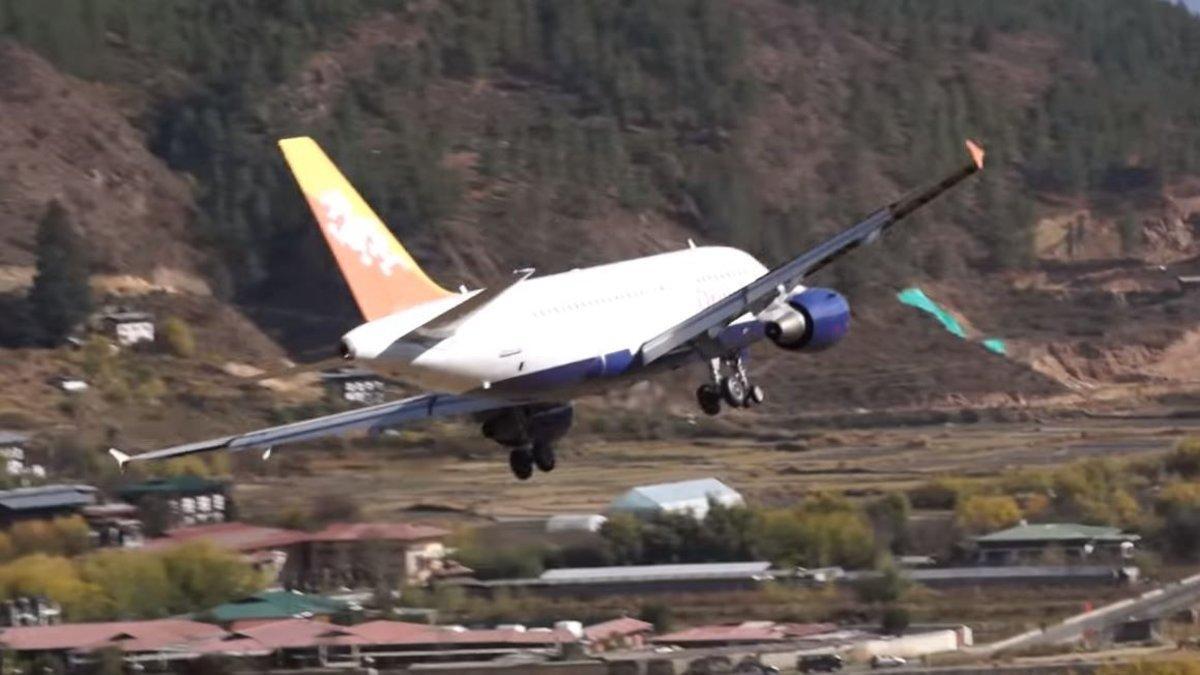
(762, 291)
(372, 418)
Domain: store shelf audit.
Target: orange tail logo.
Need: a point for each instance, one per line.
(382, 276)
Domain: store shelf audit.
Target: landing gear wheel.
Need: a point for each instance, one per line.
(734, 390)
(520, 460)
(709, 398)
(756, 395)
(543, 456)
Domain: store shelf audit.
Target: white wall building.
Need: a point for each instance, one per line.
(686, 496)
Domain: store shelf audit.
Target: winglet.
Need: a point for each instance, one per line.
(976, 153)
(120, 457)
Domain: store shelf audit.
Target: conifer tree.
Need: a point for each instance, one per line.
(60, 297)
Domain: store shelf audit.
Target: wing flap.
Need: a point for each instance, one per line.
(372, 418)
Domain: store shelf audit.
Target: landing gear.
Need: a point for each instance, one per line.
(520, 460)
(543, 456)
(730, 383)
(708, 396)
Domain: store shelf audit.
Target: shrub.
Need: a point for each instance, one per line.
(177, 337)
(1185, 460)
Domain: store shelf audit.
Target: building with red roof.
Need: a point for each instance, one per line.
(750, 632)
(285, 643)
(354, 554)
(342, 554)
(233, 536)
(163, 639)
(622, 633)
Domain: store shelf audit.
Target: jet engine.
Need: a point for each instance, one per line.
(812, 320)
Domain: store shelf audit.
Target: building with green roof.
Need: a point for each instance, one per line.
(1037, 543)
(273, 606)
(179, 501)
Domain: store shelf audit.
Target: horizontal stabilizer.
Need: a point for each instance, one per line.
(444, 324)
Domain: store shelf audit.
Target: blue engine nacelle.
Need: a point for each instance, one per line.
(814, 319)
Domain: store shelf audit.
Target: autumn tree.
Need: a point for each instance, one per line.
(987, 513)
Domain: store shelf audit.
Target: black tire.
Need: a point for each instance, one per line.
(520, 461)
(709, 399)
(543, 456)
(734, 391)
(756, 395)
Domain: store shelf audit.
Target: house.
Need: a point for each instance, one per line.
(72, 643)
(268, 549)
(689, 496)
(1037, 543)
(115, 524)
(274, 606)
(12, 455)
(356, 385)
(45, 502)
(12, 445)
(126, 327)
(353, 555)
(622, 633)
(179, 501)
(358, 554)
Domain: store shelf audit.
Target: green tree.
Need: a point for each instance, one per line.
(60, 297)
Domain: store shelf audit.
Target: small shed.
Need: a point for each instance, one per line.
(128, 327)
(689, 496)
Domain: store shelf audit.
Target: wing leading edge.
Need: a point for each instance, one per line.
(762, 291)
(372, 418)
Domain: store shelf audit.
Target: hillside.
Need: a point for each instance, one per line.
(517, 132)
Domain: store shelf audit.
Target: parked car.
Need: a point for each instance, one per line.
(887, 661)
(819, 663)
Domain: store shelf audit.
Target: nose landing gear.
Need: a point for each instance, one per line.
(730, 383)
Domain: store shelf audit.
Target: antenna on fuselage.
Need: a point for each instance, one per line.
(691, 243)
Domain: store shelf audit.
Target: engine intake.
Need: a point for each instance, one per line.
(813, 320)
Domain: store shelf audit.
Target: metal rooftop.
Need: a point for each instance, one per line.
(596, 575)
(13, 437)
(672, 493)
(47, 496)
(1054, 532)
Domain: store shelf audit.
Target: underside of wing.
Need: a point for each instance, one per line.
(762, 291)
(371, 419)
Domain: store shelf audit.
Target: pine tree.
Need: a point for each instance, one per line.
(60, 297)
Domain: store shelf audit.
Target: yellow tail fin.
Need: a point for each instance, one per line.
(383, 277)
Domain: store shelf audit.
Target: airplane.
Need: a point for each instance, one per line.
(516, 354)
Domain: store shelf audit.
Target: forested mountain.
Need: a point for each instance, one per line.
(491, 135)
(530, 116)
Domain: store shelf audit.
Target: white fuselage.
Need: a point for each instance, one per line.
(539, 332)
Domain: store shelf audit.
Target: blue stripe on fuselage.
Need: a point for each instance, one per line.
(616, 364)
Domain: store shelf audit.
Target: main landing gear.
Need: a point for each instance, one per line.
(523, 460)
(730, 383)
